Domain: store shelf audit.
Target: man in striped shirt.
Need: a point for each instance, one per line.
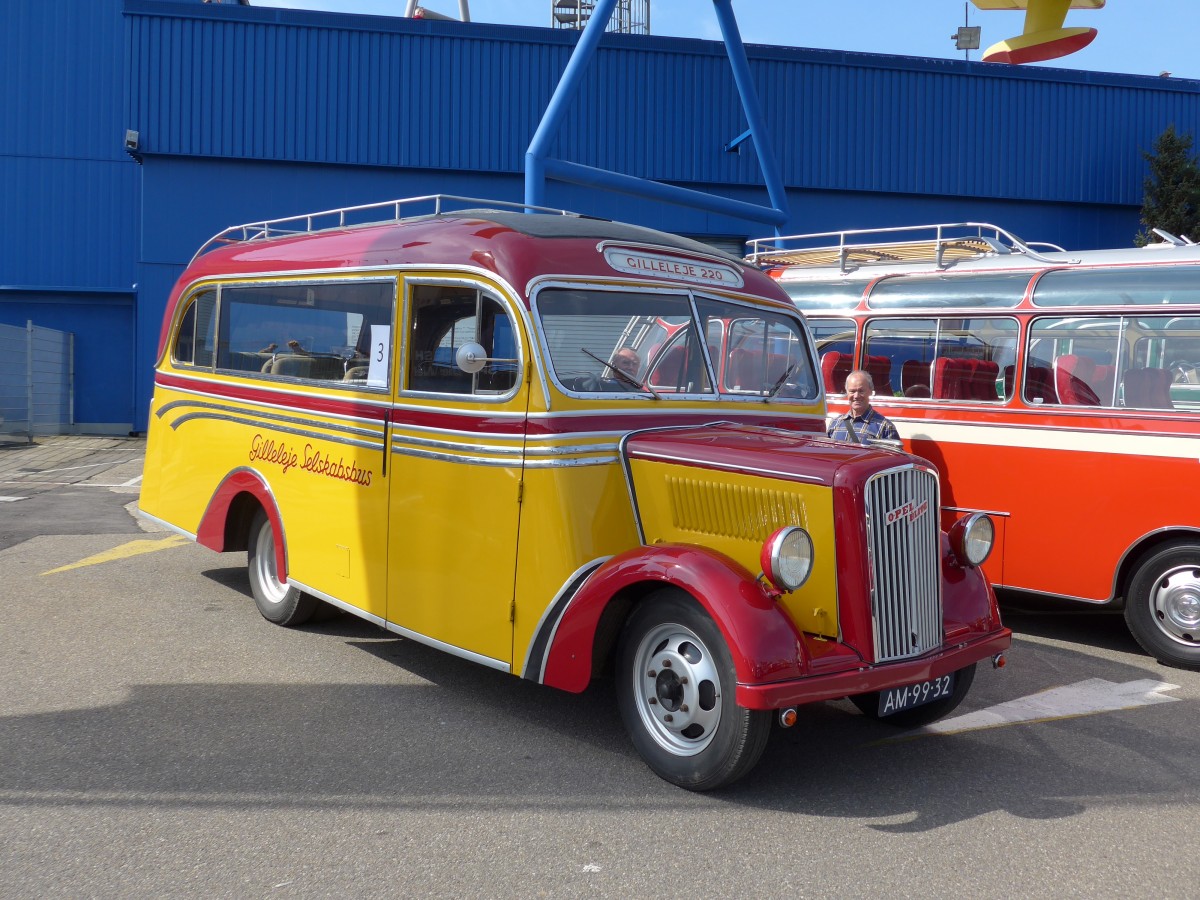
(864, 421)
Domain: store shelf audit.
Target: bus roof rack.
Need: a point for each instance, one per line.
(1173, 240)
(357, 216)
(941, 245)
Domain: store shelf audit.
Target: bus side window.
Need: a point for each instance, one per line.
(443, 320)
(303, 330)
(899, 355)
(196, 338)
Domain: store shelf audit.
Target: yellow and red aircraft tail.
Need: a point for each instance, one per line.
(1044, 36)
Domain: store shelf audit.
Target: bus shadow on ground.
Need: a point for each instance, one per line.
(444, 733)
(449, 729)
(1100, 628)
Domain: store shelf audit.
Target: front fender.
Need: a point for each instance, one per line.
(226, 516)
(762, 639)
(967, 596)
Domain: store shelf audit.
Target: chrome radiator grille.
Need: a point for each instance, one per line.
(903, 547)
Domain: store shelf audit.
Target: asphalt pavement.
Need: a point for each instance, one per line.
(159, 738)
(69, 485)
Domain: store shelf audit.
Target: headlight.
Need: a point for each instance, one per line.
(972, 537)
(787, 557)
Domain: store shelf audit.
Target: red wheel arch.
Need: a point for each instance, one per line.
(762, 639)
(217, 528)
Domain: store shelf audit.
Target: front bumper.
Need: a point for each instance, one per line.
(864, 679)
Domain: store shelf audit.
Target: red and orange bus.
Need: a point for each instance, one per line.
(1059, 392)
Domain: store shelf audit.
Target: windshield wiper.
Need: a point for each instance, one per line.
(622, 376)
(775, 388)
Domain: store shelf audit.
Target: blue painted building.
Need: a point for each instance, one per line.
(244, 113)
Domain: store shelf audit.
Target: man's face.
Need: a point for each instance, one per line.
(627, 361)
(859, 395)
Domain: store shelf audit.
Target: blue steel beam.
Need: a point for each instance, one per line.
(539, 166)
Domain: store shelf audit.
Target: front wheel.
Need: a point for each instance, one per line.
(675, 691)
(1162, 607)
(278, 601)
(918, 716)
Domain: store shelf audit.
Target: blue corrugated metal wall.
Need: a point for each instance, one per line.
(68, 234)
(69, 189)
(261, 84)
(247, 113)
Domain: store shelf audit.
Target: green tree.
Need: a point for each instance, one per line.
(1172, 189)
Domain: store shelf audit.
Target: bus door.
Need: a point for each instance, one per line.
(458, 443)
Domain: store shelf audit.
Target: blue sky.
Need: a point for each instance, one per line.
(1136, 37)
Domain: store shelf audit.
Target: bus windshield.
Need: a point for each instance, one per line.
(673, 344)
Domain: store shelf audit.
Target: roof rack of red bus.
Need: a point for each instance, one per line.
(357, 216)
(941, 245)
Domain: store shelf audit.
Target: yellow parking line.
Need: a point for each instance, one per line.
(124, 551)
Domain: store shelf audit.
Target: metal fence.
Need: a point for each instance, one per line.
(37, 381)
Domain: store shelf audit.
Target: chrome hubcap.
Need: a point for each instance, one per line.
(273, 589)
(1175, 602)
(678, 689)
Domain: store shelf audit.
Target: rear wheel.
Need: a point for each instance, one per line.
(278, 601)
(675, 691)
(1162, 606)
(868, 704)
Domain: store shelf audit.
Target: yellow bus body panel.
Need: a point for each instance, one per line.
(734, 514)
(330, 494)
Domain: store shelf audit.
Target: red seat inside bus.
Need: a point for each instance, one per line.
(1039, 384)
(984, 373)
(834, 369)
(748, 370)
(1103, 380)
(1072, 380)
(669, 369)
(1148, 388)
(914, 378)
(952, 378)
(880, 370)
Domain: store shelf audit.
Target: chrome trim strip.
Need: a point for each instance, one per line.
(763, 411)
(568, 591)
(988, 512)
(502, 449)
(294, 420)
(711, 464)
(464, 446)
(515, 462)
(465, 460)
(571, 463)
(164, 524)
(497, 664)
(572, 448)
(340, 604)
(611, 434)
(468, 412)
(349, 442)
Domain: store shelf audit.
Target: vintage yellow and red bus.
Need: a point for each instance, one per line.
(560, 446)
(1058, 391)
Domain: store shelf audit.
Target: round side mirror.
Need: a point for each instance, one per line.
(471, 357)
